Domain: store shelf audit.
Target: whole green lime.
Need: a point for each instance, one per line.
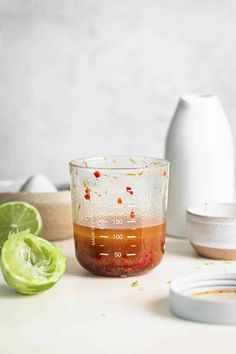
(16, 217)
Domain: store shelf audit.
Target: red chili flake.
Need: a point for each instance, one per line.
(163, 174)
(129, 190)
(97, 174)
(119, 201)
(132, 214)
(87, 196)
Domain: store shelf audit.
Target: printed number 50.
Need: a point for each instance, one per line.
(117, 254)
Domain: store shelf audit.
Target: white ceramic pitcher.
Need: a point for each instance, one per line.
(200, 149)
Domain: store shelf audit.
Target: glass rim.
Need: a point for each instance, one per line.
(155, 164)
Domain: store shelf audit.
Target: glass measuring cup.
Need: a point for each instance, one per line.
(119, 206)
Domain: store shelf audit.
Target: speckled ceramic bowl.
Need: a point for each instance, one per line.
(211, 229)
(55, 210)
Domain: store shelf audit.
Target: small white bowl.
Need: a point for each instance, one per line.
(211, 229)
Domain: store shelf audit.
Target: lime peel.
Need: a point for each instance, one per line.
(31, 264)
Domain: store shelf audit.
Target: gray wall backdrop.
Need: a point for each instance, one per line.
(91, 77)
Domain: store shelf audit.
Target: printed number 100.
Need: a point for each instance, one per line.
(118, 236)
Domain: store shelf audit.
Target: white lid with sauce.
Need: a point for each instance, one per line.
(206, 297)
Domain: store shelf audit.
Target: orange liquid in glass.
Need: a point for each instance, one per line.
(119, 251)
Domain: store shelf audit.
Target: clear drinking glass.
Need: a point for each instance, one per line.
(119, 208)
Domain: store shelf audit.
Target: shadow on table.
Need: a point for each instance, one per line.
(161, 307)
(7, 292)
(180, 247)
(74, 268)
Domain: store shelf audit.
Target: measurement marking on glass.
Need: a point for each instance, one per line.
(101, 245)
(117, 221)
(103, 221)
(118, 236)
(131, 236)
(93, 237)
(104, 254)
(131, 221)
(103, 236)
(133, 246)
(117, 254)
(131, 254)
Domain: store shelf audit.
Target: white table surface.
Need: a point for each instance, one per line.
(87, 314)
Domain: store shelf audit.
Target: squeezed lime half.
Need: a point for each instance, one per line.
(16, 217)
(30, 264)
